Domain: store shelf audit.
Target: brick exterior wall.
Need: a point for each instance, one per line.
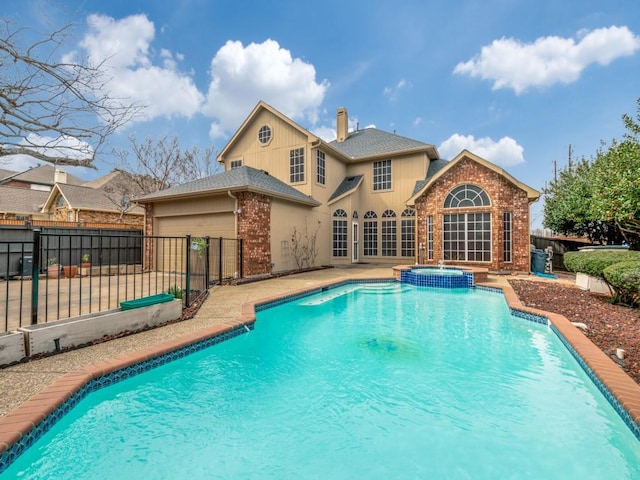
(504, 197)
(89, 216)
(254, 227)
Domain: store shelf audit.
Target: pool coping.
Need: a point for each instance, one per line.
(17, 426)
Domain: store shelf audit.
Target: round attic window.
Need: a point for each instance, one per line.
(264, 134)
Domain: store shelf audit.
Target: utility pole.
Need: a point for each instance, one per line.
(570, 156)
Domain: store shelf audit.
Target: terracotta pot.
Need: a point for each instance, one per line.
(85, 265)
(53, 271)
(70, 271)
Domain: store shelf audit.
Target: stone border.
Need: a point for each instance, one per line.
(17, 425)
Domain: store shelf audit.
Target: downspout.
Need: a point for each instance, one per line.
(235, 213)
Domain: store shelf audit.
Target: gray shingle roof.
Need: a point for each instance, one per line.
(371, 141)
(434, 167)
(348, 184)
(87, 198)
(21, 200)
(43, 175)
(237, 178)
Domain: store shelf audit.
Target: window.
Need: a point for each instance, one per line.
(320, 167)
(264, 134)
(506, 228)
(467, 196)
(430, 237)
(296, 165)
(370, 240)
(389, 234)
(235, 164)
(382, 175)
(339, 233)
(408, 233)
(467, 237)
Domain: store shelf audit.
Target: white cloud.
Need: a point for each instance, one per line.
(241, 76)
(393, 92)
(64, 146)
(125, 48)
(505, 152)
(510, 63)
(328, 134)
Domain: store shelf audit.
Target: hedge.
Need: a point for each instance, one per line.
(619, 269)
(625, 278)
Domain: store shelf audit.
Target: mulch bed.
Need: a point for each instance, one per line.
(608, 326)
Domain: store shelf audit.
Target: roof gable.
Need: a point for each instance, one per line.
(86, 198)
(236, 179)
(258, 109)
(532, 194)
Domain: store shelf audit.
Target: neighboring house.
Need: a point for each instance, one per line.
(42, 178)
(368, 196)
(73, 203)
(22, 204)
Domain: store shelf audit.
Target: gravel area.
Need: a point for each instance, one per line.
(608, 326)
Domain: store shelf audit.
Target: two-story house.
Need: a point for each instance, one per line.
(368, 196)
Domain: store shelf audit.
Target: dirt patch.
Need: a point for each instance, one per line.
(608, 326)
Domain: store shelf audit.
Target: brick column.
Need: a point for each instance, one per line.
(254, 228)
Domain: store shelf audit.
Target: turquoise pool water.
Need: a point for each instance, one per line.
(369, 381)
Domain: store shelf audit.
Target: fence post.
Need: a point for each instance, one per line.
(207, 276)
(220, 250)
(241, 258)
(35, 271)
(186, 300)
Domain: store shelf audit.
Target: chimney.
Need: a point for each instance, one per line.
(342, 127)
(59, 176)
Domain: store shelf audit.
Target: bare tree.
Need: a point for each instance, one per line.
(160, 164)
(54, 110)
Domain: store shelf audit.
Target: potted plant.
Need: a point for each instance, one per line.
(70, 271)
(53, 267)
(85, 260)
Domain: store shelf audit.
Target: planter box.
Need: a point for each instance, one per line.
(592, 284)
(11, 347)
(146, 301)
(71, 332)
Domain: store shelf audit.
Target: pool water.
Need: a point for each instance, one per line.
(386, 381)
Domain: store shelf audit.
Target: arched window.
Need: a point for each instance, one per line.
(467, 196)
(370, 228)
(467, 236)
(340, 233)
(408, 233)
(389, 233)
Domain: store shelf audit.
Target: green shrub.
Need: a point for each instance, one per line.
(594, 262)
(624, 277)
(176, 291)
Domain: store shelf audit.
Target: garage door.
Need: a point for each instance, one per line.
(208, 224)
(213, 225)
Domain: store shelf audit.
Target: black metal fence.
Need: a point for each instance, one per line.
(56, 276)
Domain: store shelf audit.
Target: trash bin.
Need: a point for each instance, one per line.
(538, 260)
(26, 265)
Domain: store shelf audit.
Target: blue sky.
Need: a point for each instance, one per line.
(516, 82)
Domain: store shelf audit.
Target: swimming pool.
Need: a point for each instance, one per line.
(360, 381)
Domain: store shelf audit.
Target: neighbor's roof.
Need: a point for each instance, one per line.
(237, 179)
(21, 200)
(85, 198)
(43, 175)
(4, 173)
(348, 185)
(372, 142)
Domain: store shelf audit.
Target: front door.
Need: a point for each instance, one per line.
(354, 236)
